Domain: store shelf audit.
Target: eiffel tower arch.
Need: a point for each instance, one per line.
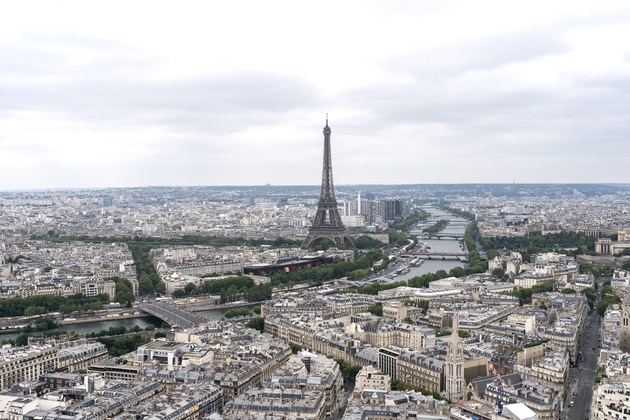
(327, 223)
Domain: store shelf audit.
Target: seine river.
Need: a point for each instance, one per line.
(213, 315)
(457, 225)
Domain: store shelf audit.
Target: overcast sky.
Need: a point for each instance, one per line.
(115, 94)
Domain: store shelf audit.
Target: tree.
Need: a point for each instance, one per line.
(324, 244)
(457, 272)
(365, 242)
(46, 323)
(498, 272)
(257, 323)
(409, 320)
(189, 288)
(179, 293)
(396, 385)
(124, 293)
(165, 325)
(348, 371)
(377, 309)
(256, 309)
(21, 340)
(34, 310)
(235, 312)
(159, 334)
(150, 327)
(160, 287)
(145, 286)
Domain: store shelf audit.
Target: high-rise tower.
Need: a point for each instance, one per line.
(455, 382)
(327, 223)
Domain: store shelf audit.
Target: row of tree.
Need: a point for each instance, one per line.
(461, 213)
(230, 289)
(148, 279)
(365, 242)
(330, 271)
(524, 295)
(236, 312)
(411, 221)
(608, 298)
(41, 304)
(119, 346)
(120, 330)
(596, 271)
(124, 291)
(571, 243)
(81, 307)
(438, 226)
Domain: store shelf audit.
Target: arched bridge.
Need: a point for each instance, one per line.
(447, 235)
(437, 255)
(172, 315)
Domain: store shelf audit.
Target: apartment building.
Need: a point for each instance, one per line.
(18, 364)
(370, 378)
(82, 356)
(275, 403)
(611, 401)
(416, 369)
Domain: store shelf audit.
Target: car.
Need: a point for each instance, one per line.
(572, 403)
(580, 368)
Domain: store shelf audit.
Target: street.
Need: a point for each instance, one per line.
(346, 393)
(581, 381)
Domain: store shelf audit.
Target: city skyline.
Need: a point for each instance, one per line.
(206, 94)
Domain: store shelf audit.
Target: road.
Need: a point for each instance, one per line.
(581, 380)
(347, 390)
(171, 314)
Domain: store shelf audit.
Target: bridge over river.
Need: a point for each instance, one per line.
(172, 315)
(436, 255)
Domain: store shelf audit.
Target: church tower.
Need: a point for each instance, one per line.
(455, 383)
(624, 326)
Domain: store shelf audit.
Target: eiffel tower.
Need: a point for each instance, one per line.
(327, 223)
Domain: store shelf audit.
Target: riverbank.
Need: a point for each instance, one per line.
(107, 317)
(11, 324)
(210, 306)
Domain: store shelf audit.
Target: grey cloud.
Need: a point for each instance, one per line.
(114, 90)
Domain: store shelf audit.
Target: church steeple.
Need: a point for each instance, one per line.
(455, 382)
(624, 326)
